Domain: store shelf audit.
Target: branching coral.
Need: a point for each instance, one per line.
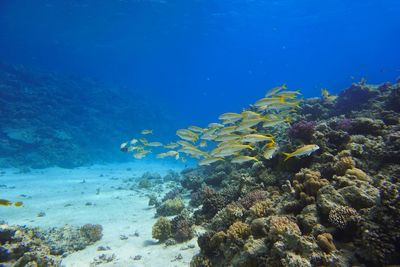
(238, 231)
(306, 184)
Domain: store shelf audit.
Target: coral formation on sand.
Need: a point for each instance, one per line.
(92, 232)
(162, 229)
(170, 207)
(24, 246)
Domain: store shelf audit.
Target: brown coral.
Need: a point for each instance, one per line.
(217, 239)
(261, 209)
(162, 229)
(239, 230)
(200, 261)
(343, 164)
(307, 183)
(325, 242)
(358, 174)
(282, 224)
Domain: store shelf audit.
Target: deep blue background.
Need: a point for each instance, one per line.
(205, 57)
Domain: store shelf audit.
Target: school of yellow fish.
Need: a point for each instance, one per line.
(238, 137)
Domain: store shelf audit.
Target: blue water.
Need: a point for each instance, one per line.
(200, 58)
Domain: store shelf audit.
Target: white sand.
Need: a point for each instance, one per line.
(120, 212)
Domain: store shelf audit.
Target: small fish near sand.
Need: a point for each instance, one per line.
(302, 151)
(124, 147)
(5, 202)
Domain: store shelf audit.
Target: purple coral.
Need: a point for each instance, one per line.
(251, 198)
(344, 125)
(302, 130)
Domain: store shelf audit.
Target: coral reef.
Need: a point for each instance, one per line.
(338, 208)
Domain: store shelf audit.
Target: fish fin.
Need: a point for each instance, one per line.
(287, 155)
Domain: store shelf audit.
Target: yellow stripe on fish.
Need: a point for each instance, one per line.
(302, 151)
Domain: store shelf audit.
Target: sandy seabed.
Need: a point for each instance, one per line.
(94, 195)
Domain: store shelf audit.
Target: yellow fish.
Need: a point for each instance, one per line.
(187, 135)
(275, 90)
(5, 202)
(196, 129)
(170, 153)
(249, 123)
(192, 151)
(209, 160)
(289, 94)
(209, 134)
(242, 159)
(215, 125)
(269, 101)
(248, 114)
(18, 203)
(302, 151)
(141, 154)
(229, 150)
(147, 131)
(171, 145)
(124, 147)
(227, 137)
(154, 144)
(131, 148)
(254, 138)
(327, 96)
(134, 141)
(227, 130)
(270, 151)
(185, 144)
(144, 141)
(230, 117)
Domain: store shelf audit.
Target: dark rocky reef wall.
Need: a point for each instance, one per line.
(48, 120)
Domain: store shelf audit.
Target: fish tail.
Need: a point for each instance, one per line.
(287, 155)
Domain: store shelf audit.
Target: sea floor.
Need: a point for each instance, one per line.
(94, 195)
